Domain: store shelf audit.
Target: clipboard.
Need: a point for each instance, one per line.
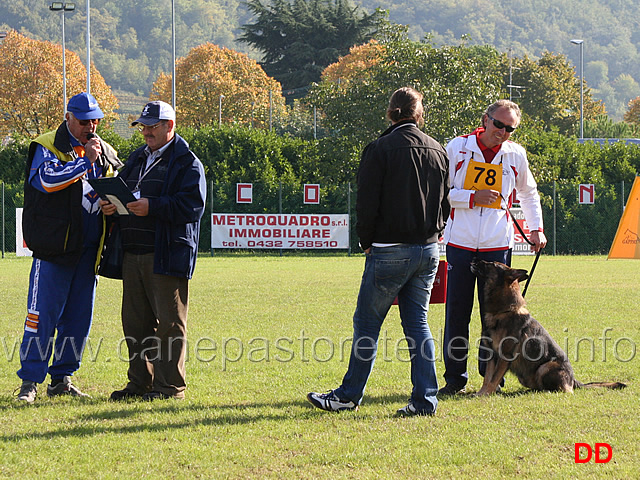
(115, 191)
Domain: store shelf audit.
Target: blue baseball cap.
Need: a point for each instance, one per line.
(84, 107)
(155, 111)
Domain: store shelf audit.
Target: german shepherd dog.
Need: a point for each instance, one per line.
(518, 342)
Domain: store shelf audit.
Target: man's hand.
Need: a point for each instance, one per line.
(140, 208)
(92, 149)
(485, 197)
(539, 240)
(107, 207)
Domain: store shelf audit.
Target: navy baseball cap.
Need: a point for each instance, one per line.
(155, 111)
(84, 107)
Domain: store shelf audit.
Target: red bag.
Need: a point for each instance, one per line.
(439, 289)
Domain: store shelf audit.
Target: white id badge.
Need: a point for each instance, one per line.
(136, 193)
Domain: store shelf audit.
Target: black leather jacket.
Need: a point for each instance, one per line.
(403, 188)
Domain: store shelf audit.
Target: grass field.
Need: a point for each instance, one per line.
(264, 331)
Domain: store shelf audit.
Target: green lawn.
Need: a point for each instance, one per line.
(265, 330)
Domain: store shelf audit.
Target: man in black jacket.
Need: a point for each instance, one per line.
(402, 206)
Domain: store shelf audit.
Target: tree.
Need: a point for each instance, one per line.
(456, 88)
(550, 91)
(298, 40)
(356, 64)
(633, 113)
(208, 72)
(31, 85)
(603, 127)
(626, 89)
(597, 72)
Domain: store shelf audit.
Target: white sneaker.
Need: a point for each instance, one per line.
(28, 391)
(330, 402)
(65, 387)
(411, 411)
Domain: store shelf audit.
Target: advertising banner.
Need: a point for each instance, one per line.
(520, 245)
(21, 247)
(626, 243)
(295, 231)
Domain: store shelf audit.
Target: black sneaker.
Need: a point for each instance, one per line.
(64, 387)
(411, 411)
(449, 390)
(124, 394)
(330, 402)
(28, 391)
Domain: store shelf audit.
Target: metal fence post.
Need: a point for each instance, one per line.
(2, 219)
(349, 213)
(211, 215)
(555, 232)
(280, 202)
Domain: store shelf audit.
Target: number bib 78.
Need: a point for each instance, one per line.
(484, 176)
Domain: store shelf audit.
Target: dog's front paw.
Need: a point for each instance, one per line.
(484, 392)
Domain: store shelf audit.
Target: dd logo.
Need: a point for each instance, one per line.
(589, 452)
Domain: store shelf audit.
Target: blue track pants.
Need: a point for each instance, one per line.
(60, 300)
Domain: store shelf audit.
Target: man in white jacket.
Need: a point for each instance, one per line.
(486, 173)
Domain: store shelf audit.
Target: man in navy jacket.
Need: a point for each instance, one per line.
(160, 242)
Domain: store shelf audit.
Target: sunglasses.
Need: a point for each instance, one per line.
(142, 126)
(499, 125)
(84, 123)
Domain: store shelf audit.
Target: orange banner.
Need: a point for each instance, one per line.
(626, 244)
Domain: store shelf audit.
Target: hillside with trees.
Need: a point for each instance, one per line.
(298, 40)
(131, 40)
(609, 28)
(458, 80)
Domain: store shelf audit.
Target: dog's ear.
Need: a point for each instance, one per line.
(518, 274)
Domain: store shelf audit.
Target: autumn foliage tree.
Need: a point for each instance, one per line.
(356, 64)
(633, 113)
(209, 72)
(31, 100)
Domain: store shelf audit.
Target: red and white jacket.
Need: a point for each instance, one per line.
(480, 228)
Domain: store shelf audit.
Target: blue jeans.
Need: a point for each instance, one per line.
(406, 271)
(461, 283)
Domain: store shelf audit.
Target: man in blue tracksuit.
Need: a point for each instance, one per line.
(160, 242)
(63, 227)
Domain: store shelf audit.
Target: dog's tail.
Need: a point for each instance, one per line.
(612, 385)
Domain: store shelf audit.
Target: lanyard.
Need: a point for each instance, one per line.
(143, 173)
